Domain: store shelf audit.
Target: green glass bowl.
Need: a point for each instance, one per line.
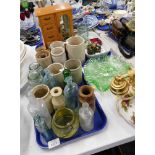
(65, 123)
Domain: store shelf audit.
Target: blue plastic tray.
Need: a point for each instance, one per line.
(99, 123)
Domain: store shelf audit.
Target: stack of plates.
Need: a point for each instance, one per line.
(23, 50)
(91, 21)
(27, 56)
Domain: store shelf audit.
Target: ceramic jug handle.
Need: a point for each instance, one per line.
(65, 44)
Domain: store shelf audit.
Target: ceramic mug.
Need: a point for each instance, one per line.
(76, 46)
(43, 92)
(74, 65)
(57, 70)
(43, 57)
(57, 44)
(58, 55)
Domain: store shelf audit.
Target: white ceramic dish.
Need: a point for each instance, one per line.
(128, 113)
(104, 48)
(119, 13)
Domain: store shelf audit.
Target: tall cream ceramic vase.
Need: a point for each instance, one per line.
(57, 70)
(43, 57)
(58, 99)
(58, 55)
(74, 65)
(43, 92)
(76, 46)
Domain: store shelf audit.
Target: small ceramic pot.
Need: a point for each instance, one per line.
(74, 65)
(57, 70)
(43, 92)
(86, 94)
(43, 58)
(57, 44)
(76, 48)
(58, 99)
(58, 55)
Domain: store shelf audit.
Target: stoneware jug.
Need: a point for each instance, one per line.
(76, 46)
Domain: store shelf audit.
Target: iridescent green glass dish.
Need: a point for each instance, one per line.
(100, 71)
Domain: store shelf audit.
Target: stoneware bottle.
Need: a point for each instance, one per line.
(57, 70)
(86, 94)
(58, 55)
(43, 92)
(43, 58)
(58, 99)
(74, 65)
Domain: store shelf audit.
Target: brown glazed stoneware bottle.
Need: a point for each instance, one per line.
(86, 94)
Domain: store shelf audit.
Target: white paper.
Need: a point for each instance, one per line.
(53, 143)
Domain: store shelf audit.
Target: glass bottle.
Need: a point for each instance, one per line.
(86, 117)
(42, 127)
(34, 78)
(39, 106)
(41, 117)
(36, 66)
(66, 73)
(49, 80)
(71, 94)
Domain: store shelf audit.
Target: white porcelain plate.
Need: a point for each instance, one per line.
(127, 110)
(104, 48)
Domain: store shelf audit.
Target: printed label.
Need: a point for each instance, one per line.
(53, 143)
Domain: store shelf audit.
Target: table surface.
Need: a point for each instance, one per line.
(116, 132)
